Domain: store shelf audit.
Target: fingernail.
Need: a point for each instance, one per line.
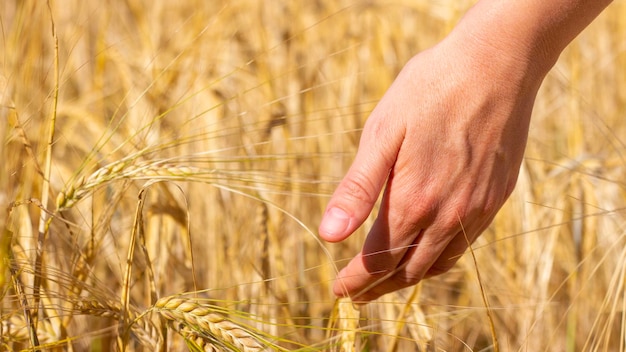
(335, 222)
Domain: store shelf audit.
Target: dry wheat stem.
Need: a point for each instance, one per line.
(124, 318)
(492, 327)
(44, 220)
(18, 286)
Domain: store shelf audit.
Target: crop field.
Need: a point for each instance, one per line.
(165, 166)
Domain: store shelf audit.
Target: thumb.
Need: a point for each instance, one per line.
(357, 193)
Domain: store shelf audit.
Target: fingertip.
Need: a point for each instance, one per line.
(339, 288)
(348, 284)
(363, 298)
(334, 225)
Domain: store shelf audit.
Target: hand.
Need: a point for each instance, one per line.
(446, 143)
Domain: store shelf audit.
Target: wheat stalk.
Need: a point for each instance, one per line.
(44, 219)
(190, 318)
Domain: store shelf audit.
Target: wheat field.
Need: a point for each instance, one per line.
(166, 165)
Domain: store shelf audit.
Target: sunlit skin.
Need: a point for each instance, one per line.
(446, 141)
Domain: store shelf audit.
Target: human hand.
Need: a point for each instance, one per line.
(446, 142)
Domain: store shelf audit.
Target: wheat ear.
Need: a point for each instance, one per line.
(126, 168)
(147, 333)
(188, 316)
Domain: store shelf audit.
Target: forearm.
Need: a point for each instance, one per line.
(531, 32)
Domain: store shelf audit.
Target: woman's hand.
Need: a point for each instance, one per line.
(446, 143)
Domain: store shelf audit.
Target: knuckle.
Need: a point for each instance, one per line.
(406, 279)
(470, 209)
(441, 267)
(358, 188)
(421, 210)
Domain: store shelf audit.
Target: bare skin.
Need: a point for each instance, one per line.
(446, 141)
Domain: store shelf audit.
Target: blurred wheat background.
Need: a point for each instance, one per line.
(196, 144)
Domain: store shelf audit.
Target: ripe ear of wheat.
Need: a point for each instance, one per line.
(207, 330)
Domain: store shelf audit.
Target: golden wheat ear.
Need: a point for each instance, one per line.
(205, 329)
